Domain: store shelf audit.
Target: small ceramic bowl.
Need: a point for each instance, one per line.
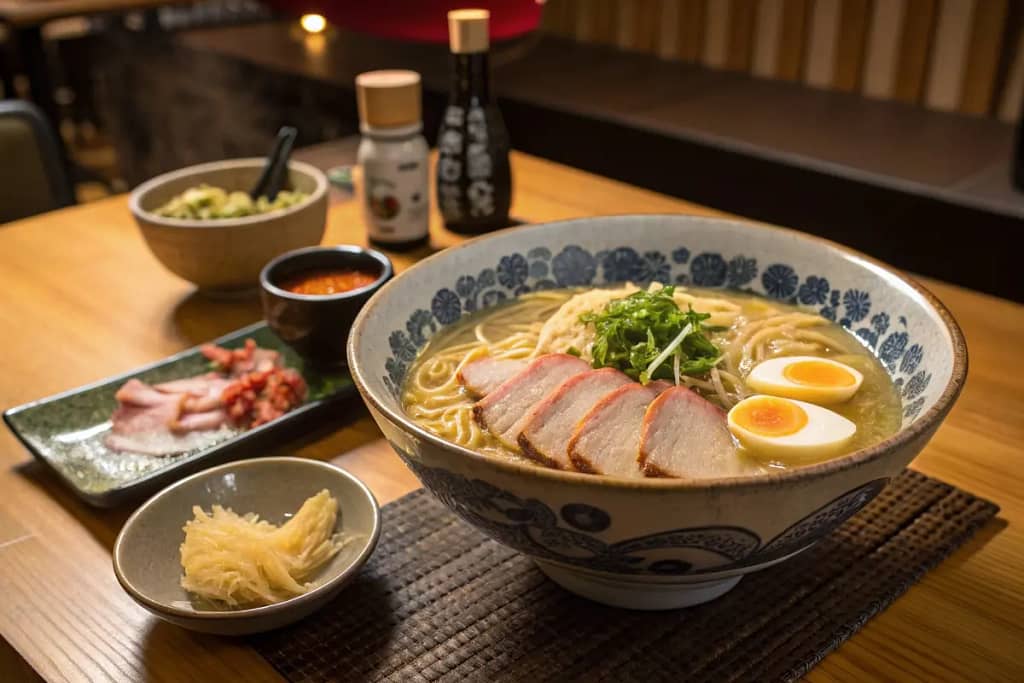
(226, 255)
(147, 559)
(317, 326)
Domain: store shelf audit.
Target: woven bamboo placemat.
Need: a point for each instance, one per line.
(439, 601)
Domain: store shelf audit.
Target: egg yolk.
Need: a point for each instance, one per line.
(818, 374)
(770, 416)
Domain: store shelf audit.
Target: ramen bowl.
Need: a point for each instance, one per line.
(658, 543)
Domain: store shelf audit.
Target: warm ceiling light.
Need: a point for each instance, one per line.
(313, 23)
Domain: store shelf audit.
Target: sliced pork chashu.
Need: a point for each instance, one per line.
(504, 411)
(683, 435)
(607, 439)
(548, 429)
(481, 377)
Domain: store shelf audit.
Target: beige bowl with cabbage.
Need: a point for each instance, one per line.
(225, 249)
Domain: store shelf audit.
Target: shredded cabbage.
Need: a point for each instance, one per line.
(243, 560)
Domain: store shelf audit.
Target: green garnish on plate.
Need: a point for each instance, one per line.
(647, 336)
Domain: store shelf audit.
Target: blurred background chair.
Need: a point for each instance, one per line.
(38, 181)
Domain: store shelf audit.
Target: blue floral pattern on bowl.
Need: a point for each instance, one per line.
(570, 535)
(539, 269)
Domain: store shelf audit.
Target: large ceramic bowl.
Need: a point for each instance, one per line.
(227, 254)
(658, 543)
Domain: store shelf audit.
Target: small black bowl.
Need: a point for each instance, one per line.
(315, 325)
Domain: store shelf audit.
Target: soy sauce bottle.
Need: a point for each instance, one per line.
(474, 180)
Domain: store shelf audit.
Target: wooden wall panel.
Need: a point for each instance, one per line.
(822, 38)
(1013, 94)
(625, 15)
(984, 49)
(792, 39)
(646, 14)
(767, 32)
(881, 54)
(851, 45)
(604, 20)
(958, 55)
(740, 42)
(691, 29)
(554, 18)
(585, 23)
(948, 54)
(668, 29)
(914, 49)
(716, 33)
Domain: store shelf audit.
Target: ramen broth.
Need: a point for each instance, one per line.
(746, 328)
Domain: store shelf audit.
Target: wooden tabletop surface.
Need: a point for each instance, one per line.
(84, 299)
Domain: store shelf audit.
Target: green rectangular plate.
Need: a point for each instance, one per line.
(66, 431)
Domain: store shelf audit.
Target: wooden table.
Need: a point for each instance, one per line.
(84, 299)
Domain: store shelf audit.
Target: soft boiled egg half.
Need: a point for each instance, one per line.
(786, 429)
(806, 378)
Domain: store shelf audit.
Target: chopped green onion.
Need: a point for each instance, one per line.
(636, 334)
(645, 376)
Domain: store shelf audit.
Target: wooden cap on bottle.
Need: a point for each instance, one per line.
(389, 99)
(467, 30)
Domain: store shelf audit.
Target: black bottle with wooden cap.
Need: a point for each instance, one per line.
(474, 180)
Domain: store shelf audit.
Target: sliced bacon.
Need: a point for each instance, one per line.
(607, 440)
(146, 410)
(552, 422)
(202, 404)
(197, 422)
(504, 411)
(135, 392)
(481, 377)
(203, 391)
(222, 357)
(143, 419)
(238, 362)
(196, 386)
(683, 435)
(156, 419)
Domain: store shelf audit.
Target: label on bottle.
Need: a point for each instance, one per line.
(395, 202)
(465, 192)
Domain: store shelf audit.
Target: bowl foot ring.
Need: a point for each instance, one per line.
(638, 595)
